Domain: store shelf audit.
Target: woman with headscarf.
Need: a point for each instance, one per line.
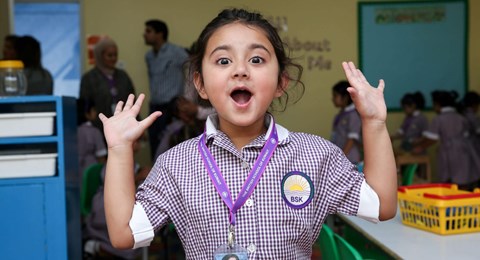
(105, 84)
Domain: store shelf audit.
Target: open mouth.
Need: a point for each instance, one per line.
(241, 96)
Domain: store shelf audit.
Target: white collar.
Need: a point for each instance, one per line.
(416, 113)
(212, 124)
(349, 107)
(447, 109)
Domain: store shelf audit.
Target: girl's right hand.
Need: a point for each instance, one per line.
(123, 129)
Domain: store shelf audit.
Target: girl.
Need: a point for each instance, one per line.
(91, 144)
(455, 153)
(347, 126)
(287, 183)
(414, 123)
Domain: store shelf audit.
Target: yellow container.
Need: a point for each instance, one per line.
(440, 208)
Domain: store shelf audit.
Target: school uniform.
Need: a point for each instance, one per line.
(412, 128)
(454, 155)
(348, 125)
(273, 223)
(474, 134)
(95, 228)
(91, 145)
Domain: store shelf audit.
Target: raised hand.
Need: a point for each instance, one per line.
(369, 101)
(123, 128)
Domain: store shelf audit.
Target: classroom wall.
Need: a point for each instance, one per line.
(323, 34)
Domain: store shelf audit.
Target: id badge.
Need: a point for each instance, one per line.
(236, 252)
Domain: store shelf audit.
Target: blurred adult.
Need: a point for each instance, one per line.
(105, 84)
(39, 79)
(165, 63)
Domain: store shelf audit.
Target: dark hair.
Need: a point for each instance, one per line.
(29, 52)
(471, 98)
(256, 20)
(416, 99)
(445, 98)
(159, 27)
(84, 106)
(341, 89)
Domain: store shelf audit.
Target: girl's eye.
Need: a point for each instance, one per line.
(256, 60)
(223, 61)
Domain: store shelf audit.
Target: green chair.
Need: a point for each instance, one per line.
(326, 242)
(409, 173)
(91, 180)
(345, 250)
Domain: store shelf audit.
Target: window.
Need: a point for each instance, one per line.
(57, 27)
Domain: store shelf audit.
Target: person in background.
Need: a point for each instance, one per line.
(10, 47)
(39, 79)
(347, 125)
(165, 62)
(414, 123)
(242, 68)
(97, 244)
(91, 144)
(469, 108)
(455, 155)
(189, 114)
(105, 84)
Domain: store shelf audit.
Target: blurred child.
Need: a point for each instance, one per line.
(91, 144)
(414, 123)
(347, 126)
(97, 245)
(470, 105)
(455, 154)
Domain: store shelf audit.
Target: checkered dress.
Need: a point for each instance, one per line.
(179, 189)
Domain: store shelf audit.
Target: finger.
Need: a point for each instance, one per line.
(381, 85)
(138, 104)
(362, 77)
(347, 70)
(352, 67)
(102, 117)
(145, 123)
(129, 102)
(118, 108)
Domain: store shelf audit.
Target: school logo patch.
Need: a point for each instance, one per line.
(297, 189)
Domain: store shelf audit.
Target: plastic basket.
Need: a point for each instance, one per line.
(440, 208)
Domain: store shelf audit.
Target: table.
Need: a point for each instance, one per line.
(404, 242)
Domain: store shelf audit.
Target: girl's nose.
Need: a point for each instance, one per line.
(241, 71)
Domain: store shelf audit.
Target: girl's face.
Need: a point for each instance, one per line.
(409, 109)
(240, 76)
(110, 57)
(338, 100)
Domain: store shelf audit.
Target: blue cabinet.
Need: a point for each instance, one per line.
(40, 216)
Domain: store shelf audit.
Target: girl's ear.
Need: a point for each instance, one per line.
(282, 85)
(198, 82)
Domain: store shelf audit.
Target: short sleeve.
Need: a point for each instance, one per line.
(433, 131)
(354, 126)
(344, 184)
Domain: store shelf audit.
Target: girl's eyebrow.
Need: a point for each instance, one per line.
(252, 46)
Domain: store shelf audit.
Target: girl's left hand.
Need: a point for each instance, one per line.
(369, 101)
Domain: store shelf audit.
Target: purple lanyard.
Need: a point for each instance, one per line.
(252, 179)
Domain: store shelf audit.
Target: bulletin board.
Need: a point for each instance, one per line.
(414, 46)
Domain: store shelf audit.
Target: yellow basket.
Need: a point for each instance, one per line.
(440, 208)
